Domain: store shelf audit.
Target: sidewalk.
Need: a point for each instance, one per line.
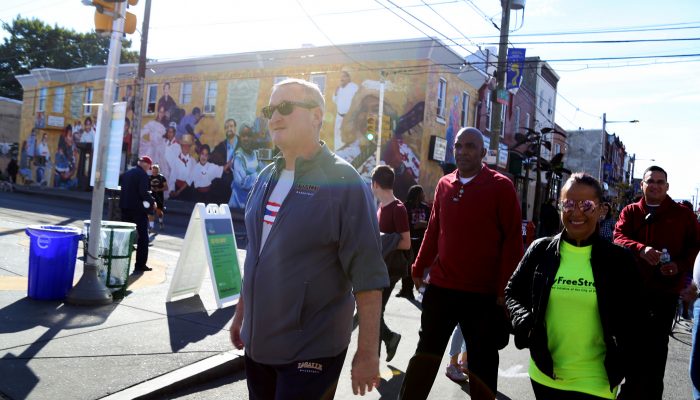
(137, 347)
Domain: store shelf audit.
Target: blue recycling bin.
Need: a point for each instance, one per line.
(52, 254)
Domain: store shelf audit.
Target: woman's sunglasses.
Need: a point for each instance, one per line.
(286, 107)
(586, 206)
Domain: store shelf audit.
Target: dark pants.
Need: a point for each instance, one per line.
(140, 218)
(543, 392)
(384, 331)
(662, 310)
(477, 314)
(314, 379)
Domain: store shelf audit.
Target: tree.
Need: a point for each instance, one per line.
(33, 44)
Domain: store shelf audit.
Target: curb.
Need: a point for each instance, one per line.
(203, 371)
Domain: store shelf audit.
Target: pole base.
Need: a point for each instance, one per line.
(89, 291)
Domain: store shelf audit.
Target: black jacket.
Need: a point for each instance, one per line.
(135, 187)
(618, 290)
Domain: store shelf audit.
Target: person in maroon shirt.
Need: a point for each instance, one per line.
(472, 245)
(647, 227)
(393, 219)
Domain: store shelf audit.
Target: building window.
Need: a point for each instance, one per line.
(151, 99)
(516, 119)
(186, 93)
(320, 81)
(210, 98)
(441, 95)
(557, 148)
(87, 107)
(43, 92)
(59, 96)
(489, 110)
(464, 118)
(527, 121)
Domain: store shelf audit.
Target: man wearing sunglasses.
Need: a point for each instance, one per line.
(313, 251)
(646, 227)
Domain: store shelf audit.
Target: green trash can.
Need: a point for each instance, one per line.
(115, 249)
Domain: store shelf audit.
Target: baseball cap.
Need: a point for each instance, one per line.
(146, 159)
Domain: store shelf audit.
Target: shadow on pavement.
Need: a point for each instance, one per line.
(26, 315)
(190, 322)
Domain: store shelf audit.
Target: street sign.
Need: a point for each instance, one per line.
(502, 96)
(514, 70)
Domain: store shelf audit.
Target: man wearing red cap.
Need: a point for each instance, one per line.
(135, 201)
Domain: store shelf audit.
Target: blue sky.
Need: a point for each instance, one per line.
(663, 93)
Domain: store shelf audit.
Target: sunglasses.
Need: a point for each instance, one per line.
(586, 206)
(286, 107)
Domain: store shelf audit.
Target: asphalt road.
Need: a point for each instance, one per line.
(402, 316)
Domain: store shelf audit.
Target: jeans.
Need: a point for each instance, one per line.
(479, 317)
(457, 344)
(662, 308)
(384, 332)
(695, 354)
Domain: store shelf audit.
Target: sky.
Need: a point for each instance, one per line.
(645, 82)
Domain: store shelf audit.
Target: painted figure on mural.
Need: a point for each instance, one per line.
(88, 133)
(42, 160)
(452, 128)
(168, 152)
(181, 171)
(342, 98)
(188, 123)
(66, 161)
(204, 173)
(152, 134)
(246, 168)
(167, 102)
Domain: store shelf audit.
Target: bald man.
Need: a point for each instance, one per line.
(472, 245)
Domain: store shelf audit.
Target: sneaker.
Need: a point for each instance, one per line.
(391, 345)
(455, 374)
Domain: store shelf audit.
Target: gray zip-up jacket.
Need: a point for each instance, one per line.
(324, 244)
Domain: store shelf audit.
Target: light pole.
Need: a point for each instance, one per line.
(634, 163)
(604, 137)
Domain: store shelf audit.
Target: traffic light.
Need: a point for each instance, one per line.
(371, 127)
(105, 14)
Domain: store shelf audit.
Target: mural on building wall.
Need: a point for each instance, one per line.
(402, 124)
(204, 163)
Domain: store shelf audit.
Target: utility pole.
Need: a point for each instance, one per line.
(90, 290)
(138, 92)
(501, 76)
(380, 119)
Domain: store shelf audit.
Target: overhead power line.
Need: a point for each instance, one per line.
(607, 41)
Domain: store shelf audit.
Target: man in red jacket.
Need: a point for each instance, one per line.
(472, 245)
(647, 227)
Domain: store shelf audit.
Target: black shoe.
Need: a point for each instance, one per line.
(406, 295)
(391, 345)
(140, 270)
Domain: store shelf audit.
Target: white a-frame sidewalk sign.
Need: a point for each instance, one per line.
(209, 240)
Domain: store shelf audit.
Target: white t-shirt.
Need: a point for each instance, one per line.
(284, 185)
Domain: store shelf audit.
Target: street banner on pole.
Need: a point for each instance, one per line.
(114, 140)
(514, 71)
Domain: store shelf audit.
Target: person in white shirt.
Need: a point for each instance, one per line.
(181, 170)
(204, 173)
(88, 135)
(342, 98)
(168, 151)
(152, 135)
